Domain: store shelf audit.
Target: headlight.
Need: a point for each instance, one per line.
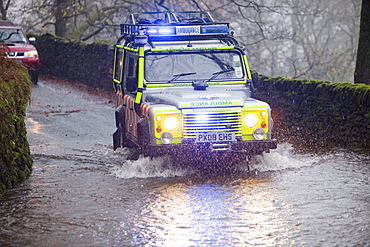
(259, 134)
(251, 120)
(171, 123)
(166, 137)
(32, 54)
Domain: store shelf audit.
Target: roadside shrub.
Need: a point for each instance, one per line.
(15, 90)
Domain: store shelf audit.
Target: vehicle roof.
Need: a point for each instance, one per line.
(169, 26)
(177, 30)
(7, 24)
(185, 44)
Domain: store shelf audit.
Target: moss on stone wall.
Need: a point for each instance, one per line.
(318, 113)
(15, 157)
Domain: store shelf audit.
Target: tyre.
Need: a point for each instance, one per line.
(34, 76)
(120, 139)
(143, 134)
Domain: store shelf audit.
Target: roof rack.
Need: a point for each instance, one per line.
(168, 25)
(6, 23)
(171, 17)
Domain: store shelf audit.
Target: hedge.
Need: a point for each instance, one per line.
(15, 90)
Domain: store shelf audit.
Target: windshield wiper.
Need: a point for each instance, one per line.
(214, 75)
(175, 77)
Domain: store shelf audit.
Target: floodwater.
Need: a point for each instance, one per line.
(81, 193)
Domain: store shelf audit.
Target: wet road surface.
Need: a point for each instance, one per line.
(81, 193)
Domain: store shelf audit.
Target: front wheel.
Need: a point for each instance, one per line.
(143, 134)
(120, 139)
(144, 140)
(34, 76)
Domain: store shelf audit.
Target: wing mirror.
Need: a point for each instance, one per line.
(254, 82)
(255, 79)
(32, 40)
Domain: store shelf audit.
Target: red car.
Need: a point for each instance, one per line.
(19, 48)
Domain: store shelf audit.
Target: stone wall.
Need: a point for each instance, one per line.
(306, 112)
(15, 90)
(317, 113)
(87, 63)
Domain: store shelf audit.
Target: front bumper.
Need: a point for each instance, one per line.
(240, 148)
(30, 63)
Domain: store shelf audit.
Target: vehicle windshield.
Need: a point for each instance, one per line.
(195, 65)
(12, 36)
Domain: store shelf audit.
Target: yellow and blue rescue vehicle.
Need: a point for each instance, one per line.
(183, 86)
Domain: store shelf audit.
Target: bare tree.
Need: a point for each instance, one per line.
(62, 15)
(324, 39)
(296, 38)
(4, 6)
(362, 74)
(291, 38)
(77, 19)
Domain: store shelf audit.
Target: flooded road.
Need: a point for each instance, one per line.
(81, 193)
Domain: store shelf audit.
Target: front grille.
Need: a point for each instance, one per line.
(15, 54)
(209, 121)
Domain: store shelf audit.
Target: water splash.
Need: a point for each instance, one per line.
(284, 157)
(146, 167)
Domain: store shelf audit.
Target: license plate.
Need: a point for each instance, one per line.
(215, 137)
(188, 30)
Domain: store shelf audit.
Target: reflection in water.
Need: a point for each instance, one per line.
(34, 127)
(166, 218)
(94, 200)
(240, 213)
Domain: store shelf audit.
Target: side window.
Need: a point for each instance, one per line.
(118, 67)
(131, 67)
(131, 71)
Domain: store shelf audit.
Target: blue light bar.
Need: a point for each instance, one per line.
(160, 30)
(180, 30)
(165, 31)
(152, 29)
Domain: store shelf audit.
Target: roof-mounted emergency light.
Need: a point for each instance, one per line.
(173, 26)
(175, 30)
(141, 39)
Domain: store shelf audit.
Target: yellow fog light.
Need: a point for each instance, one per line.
(171, 123)
(259, 134)
(166, 137)
(250, 120)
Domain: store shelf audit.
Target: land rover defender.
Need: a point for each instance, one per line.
(183, 86)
